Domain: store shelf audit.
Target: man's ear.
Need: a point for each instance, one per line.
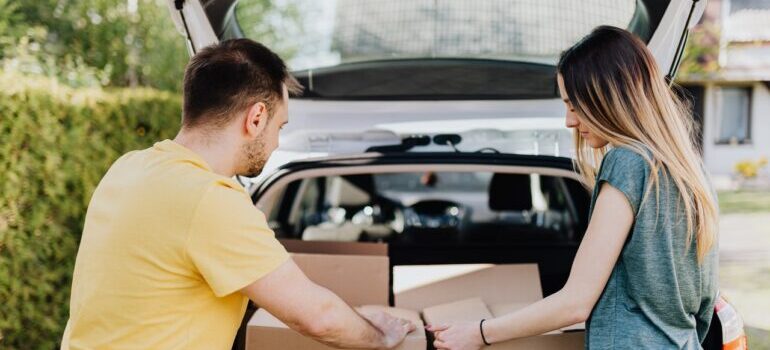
(256, 120)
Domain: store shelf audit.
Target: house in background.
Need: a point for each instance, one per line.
(727, 72)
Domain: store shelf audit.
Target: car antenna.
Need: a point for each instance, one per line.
(406, 144)
(448, 139)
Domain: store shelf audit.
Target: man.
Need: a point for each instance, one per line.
(173, 248)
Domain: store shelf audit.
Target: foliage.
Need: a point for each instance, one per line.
(117, 42)
(55, 145)
(701, 54)
(749, 169)
(276, 24)
(120, 42)
(744, 201)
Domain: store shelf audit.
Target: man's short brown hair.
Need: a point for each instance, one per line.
(228, 77)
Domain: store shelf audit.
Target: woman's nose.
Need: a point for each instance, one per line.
(571, 121)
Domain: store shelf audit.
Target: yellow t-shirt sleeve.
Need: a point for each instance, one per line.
(230, 243)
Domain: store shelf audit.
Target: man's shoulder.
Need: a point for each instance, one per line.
(225, 195)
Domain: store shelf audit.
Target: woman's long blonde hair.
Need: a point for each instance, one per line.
(619, 94)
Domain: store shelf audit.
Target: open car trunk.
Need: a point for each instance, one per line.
(442, 211)
(521, 217)
(498, 220)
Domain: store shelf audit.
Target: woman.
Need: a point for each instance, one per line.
(645, 273)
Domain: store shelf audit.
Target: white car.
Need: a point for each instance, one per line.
(436, 126)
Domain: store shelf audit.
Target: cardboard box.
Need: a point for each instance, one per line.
(267, 332)
(474, 309)
(494, 284)
(333, 248)
(357, 279)
(359, 273)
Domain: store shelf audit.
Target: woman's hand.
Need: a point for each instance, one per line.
(458, 336)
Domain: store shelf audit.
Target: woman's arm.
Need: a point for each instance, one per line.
(607, 231)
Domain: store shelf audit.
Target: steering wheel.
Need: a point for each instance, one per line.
(434, 213)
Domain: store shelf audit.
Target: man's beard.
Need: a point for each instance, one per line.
(253, 157)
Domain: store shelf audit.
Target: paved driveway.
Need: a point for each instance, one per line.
(744, 249)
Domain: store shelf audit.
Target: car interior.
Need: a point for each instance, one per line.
(437, 208)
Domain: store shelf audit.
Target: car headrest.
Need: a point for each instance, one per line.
(510, 192)
(343, 193)
(327, 231)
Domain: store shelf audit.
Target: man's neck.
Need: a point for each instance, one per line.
(218, 152)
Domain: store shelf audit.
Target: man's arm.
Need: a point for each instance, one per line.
(318, 313)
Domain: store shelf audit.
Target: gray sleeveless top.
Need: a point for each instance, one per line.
(658, 296)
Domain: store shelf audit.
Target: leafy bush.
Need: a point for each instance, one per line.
(94, 42)
(749, 169)
(55, 145)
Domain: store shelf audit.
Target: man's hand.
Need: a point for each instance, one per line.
(316, 312)
(394, 329)
(459, 336)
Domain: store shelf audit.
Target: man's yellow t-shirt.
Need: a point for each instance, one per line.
(166, 246)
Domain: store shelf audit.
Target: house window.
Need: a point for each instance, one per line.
(734, 115)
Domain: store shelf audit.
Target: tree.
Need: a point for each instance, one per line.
(106, 42)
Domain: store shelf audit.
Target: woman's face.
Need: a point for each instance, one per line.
(573, 120)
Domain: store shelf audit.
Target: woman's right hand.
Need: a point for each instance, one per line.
(458, 336)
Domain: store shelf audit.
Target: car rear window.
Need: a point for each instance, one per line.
(315, 34)
(442, 207)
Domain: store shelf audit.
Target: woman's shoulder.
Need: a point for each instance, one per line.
(626, 169)
(629, 152)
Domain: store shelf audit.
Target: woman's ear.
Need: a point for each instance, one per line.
(256, 120)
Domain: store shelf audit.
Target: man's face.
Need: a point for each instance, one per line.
(256, 153)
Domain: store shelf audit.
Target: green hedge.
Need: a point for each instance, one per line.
(55, 145)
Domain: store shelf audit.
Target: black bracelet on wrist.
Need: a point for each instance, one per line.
(481, 330)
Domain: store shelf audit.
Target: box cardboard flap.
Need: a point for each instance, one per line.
(328, 247)
(465, 310)
(561, 341)
(263, 318)
(357, 279)
(421, 286)
(265, 331)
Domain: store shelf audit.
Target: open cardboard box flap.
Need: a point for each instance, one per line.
(334, 248)
(494, 284)
(360, 274)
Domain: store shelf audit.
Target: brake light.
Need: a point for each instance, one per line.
(733, 336)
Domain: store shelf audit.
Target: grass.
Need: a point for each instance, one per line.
(758, 339)
(744, 201)
(747, 287)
